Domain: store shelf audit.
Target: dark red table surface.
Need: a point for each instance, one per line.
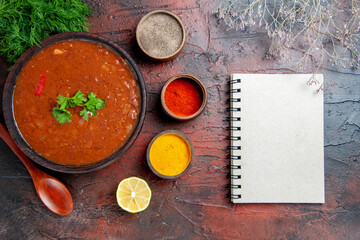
(195, 206)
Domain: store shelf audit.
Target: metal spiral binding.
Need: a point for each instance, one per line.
(235, 166)
(229, 109)
(235, 147)
(234, 100)
(235, 81)
(235, 157)
(236, 90)
(233, 118)
(235, 137)
(235, 176)
(235, 196)
(235, 128)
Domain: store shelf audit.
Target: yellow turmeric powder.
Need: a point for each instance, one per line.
(170, 154)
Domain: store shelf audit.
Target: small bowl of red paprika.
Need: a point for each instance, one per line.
(183, 97)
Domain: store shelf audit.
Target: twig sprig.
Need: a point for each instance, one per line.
(324, 28)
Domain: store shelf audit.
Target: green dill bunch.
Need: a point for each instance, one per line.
(25, 23)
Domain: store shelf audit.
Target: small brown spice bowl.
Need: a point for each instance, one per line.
(161, 35)
(169, 154)
(181, 100)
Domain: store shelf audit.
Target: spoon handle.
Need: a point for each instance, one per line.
(10, 142)
(51, 191)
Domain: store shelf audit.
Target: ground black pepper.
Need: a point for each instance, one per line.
(160, 35)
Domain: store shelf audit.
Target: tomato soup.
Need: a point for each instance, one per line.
(68, 67)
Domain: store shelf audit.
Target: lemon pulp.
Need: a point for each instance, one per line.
(133, 194)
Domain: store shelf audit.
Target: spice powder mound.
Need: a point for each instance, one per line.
(160, 35)
(170, 154)
(183, 97)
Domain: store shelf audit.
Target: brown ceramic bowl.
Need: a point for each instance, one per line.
(8, 103)
(185, 138)
(198, 83)
(161, 35)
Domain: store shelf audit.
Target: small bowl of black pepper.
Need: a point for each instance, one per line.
(160, 35)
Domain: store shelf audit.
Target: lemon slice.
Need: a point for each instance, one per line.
(133, 194)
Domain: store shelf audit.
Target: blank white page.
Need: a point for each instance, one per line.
(282, 146)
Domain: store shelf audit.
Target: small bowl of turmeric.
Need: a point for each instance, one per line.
(169, 154)
(183, 97)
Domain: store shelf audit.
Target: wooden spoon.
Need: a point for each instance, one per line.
(51, 191)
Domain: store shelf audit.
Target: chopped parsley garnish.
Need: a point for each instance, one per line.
(89, 104)
(62, 116)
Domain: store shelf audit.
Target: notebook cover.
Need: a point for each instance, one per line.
(281, 146)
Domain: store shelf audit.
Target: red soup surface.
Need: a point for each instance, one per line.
(68, 67)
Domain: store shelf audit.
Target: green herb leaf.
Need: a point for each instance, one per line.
(89, 105)
(77, 100)
(93, 103)
(61, 115)
(63, 102)
(26, 23)
(85, 115)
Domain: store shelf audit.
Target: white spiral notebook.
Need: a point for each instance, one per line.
(277, 146)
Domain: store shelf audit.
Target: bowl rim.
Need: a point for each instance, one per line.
(171, 56)
(204, 94)
(184, 137)
(8, 103)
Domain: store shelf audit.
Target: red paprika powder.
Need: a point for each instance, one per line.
(183, 97)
